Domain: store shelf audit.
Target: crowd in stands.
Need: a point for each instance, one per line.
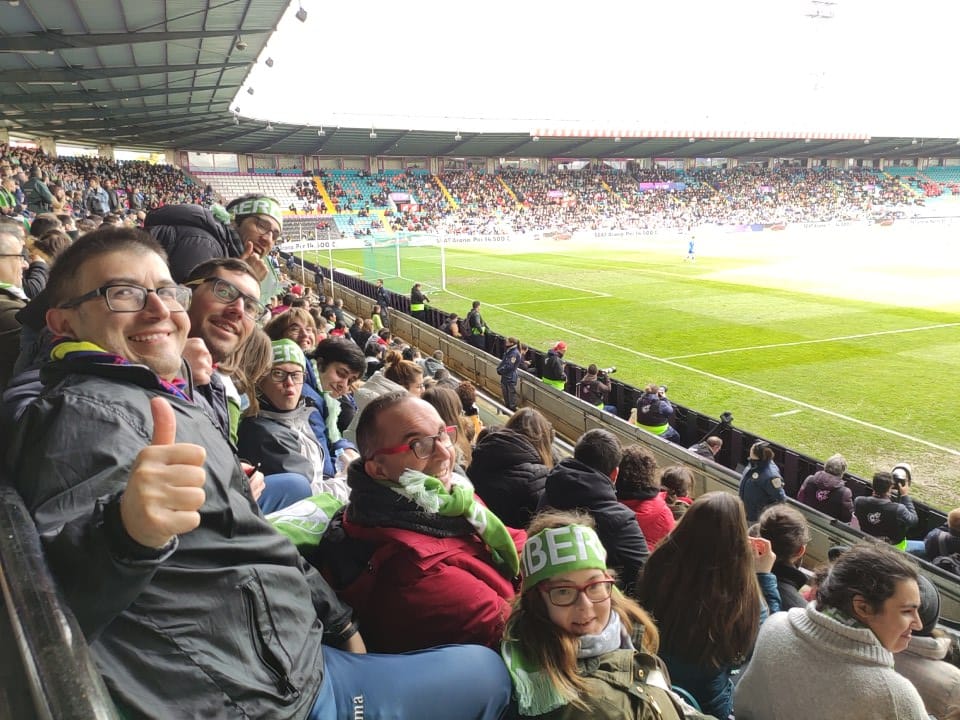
(193, 429)
(518, 201)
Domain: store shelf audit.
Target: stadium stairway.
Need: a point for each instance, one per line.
(325, 196)
(509, 189)
(446, 193)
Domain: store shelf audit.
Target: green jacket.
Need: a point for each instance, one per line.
(625, 685)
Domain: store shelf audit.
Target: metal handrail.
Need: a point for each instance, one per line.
(63, 680)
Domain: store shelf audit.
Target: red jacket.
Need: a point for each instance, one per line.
(654, 517)
(427, 591)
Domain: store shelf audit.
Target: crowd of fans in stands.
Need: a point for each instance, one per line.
(218, 435)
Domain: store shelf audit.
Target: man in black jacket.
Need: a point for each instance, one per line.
(189, 599)
(885, 518)
(586, 481)
(191, 234)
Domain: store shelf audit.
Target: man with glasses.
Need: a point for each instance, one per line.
(224, 312)
(186, 595)
(13, 262)
(191, 234)
(441, 561)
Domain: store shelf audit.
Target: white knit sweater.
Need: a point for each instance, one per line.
(807, 665)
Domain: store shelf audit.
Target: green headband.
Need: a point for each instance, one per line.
(260, 205)
(287, 351)
(558, 550)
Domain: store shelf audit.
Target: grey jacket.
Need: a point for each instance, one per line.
(227, 620)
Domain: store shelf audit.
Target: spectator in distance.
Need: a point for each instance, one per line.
(761, 483)
(825, 490)
(510, 466)
(508, 368)
(654, 412)
(677, 481)
(886, 518)
(708, 449)
(554, 371)
(788, 533)
(835, 657)
(418, 302)
(944, 540)
(638, 487)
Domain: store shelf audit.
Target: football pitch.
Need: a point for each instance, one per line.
(842, 340)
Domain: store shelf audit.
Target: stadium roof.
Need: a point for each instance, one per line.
(163, 74)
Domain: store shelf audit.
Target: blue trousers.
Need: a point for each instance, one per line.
(452, 682)
(281, 490)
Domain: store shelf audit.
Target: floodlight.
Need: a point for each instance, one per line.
(301, 14)
(458, 137)
(535, 138)
(269, 126)
(321, 132)
(373, 134)
(269, 62)
(240, 44)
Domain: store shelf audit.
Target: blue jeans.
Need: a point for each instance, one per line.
(281, 490)
(453, 682)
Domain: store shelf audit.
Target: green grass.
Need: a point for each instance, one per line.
(878, 399)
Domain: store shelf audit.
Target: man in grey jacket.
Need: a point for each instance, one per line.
(192, 604)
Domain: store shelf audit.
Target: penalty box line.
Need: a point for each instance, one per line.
(838, 338)
(729, 381)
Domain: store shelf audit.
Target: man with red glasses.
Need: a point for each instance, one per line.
(443, 568)
(193, 606)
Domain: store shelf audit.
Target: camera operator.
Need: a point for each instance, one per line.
(886, 518)
(654, 412)
(595, 386)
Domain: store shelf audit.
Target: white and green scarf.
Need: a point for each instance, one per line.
(430, 494)
(535, 694)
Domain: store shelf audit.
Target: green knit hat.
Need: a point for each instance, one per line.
(558, 550)
(287, 351)
(257, 205)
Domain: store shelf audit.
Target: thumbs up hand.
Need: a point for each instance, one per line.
(165, 489)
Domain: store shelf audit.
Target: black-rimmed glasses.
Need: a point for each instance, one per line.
(226, 293)
(423, 447)
(122, 297)
(566, 595)
(281, 376)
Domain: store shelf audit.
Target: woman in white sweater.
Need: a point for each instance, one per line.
(834, 658)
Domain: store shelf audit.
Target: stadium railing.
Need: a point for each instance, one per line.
(571, 418)
(62, 681)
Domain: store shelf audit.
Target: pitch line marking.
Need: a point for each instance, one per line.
(729, 381)
(788, 412)
(537, 302)
(566, 286)
(813, 342)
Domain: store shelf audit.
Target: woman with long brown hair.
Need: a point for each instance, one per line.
(405, 373)
(447, 403)
(703, 586)
(574, 645)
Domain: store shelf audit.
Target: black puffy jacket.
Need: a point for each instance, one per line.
(190, 235)
(572, 485)
(508, 475)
